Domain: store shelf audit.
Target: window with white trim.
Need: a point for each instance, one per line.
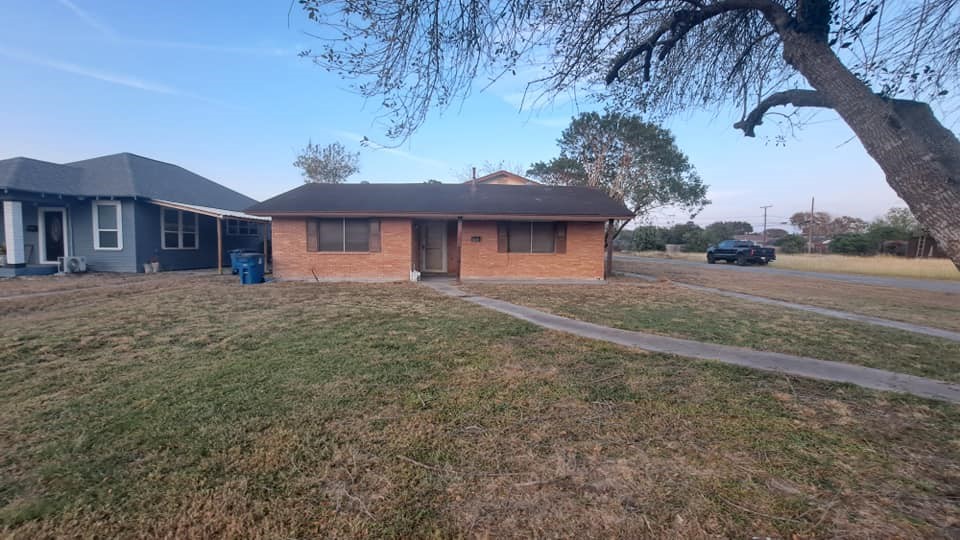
(239, 227)
(179, 229)
(107, 226)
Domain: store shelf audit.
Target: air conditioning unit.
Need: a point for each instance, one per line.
(71, 265)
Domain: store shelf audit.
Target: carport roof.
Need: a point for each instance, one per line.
(445, 200)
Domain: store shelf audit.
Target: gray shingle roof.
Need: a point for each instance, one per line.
(119, 175)
(446, 199)
(25, 174)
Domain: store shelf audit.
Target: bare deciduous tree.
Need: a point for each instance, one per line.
(877, 63)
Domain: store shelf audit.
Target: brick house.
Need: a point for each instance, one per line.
(392, 232)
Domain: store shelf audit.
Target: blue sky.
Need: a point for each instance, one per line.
(217, 87)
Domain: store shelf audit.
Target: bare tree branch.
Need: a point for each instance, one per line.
(676, 27)
(797, 98)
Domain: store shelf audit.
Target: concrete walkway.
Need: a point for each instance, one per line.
(876, 379)
(876, 321)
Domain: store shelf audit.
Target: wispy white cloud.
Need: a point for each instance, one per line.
(92, 73)
(118, 79)
(257, 51)
(108, 32)
(91, 21)
(356, 137)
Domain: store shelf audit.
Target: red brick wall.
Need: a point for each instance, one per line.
(583, 259)
(291, 260)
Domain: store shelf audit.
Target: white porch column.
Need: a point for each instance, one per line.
(13, 232)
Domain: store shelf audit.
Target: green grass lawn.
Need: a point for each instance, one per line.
(662, 308)
(304, 410)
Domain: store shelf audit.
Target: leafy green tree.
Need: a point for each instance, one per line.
(853, 244)
(647, 238)
(330, 164)
(725, 230)
(899, 219)
(682, 233)
(791, 243)
(634, 161)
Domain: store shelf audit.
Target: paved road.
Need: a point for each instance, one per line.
(932, 285)
(813, 368)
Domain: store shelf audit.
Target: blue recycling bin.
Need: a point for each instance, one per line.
(235, 259)
(250, 267)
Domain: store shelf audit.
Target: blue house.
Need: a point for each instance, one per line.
(118, 212)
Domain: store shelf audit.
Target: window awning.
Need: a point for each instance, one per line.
(209, 211)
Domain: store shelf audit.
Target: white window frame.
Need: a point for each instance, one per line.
(179, 231)
(233, 227)
(97, 229)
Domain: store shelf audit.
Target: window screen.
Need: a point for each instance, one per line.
(330, 233)
(531, 237)
(357, 235)
(542, 237)
(106, 225)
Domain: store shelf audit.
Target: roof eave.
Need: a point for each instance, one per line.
(445, 215)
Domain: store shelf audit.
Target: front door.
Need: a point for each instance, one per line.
(433, 247)
(53, 234)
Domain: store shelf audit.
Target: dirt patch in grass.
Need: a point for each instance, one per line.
(303, 410)
(666, 309)
(939, 310)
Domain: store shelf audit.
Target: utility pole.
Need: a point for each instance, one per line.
(765, 222)
(810, 229)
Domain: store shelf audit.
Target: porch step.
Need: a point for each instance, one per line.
(31, 270)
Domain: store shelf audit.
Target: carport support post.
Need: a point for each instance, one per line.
(220, 245)
(608, 271)
(459, 244)
(266, 247)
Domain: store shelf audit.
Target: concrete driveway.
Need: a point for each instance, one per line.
(932, 285)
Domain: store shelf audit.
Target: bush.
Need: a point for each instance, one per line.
(791, 243)
(853, 244)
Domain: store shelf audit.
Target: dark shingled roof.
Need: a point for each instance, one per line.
(25, 174)
(443, 199)
(119, 175)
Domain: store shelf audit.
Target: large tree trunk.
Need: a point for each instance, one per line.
(920, 157)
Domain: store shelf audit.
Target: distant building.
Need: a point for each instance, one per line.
(505, 178)
(925, 246)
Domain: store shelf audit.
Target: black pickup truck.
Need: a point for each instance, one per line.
(741, 252)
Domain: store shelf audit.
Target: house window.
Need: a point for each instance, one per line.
(339, 235)
(179, 229)
(239, 227)
(107, 225)
(531, 236)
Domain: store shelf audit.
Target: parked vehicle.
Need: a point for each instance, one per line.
(742, 252)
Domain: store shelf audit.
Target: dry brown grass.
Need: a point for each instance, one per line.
(939, 310)
(878, 265)
(666, 309)
(337, 410)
